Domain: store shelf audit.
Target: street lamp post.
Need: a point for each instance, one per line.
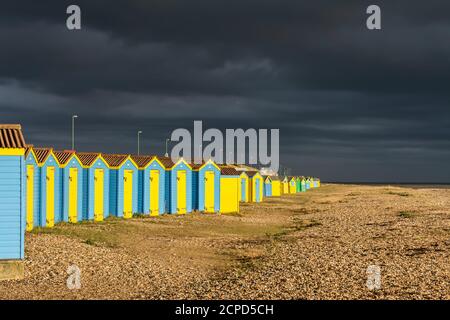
(167, 152)
(73, 131)
(139, 142)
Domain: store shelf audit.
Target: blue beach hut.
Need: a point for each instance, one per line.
(267, 186)
(71, 172)
(12, 199)
(123, 185)
(206, 187)
(95, 186)
(47, 192)
(151, 184)
(178, 187)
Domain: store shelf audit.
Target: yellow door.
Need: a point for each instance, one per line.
(209, 191)
(98, 194)
(30, 196)
(128, 194)
(154, 192)
(181, 192)
(73, 195)
(50, 197)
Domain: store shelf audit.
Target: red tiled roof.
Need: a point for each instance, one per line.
(28, 149)
(167, 162)
(227, 171)
(142, 160)
(11, 136)
(115, 160)
(63, 156)
(251, 173)
(87, 158)
(196, 166)
(42, 154)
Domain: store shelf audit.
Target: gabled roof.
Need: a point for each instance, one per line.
(87, 158)
(227, 171)
(28, 148)
(142, 160)
(63, 156)
(11, 136)
(42, 154)
(251, 173)
(167, 162)
(198, 166)
(115, 160)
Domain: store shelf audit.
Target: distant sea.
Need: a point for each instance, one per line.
(415, 185)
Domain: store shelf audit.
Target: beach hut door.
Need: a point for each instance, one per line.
(243, 190)
(98, 197)
(73, 195)
(128, 193)
(154, 192)
(257, 189)
(30, 196)
(50, 197)
(209, 191)
(181, 192)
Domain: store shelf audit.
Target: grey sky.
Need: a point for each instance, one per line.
(351, 104)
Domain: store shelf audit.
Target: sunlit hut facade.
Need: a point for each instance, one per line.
(43, 169)
(302, 184)
(285, 184)
(206, 187)
(12, 195)
(95, 186)
(72, 185)
(123, 185)
(308, 183)
(255, 186)
(243, 190)
(178, 186)
(298, 184)
(151, 184)
(267, 186)
(229, 190)
(276, 186)
(292, 184)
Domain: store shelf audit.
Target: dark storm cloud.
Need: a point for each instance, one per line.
(350, 103)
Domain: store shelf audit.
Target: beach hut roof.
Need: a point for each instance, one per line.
(64, 156)
(11, 136)
(169, 164)
(142, 161)
(42, 154)
(252, 173)
(115, 160)
(227, 171)
(198, 166)
(87, 158)
(28, 148)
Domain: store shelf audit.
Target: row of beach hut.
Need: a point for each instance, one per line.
(40, 187)
(69, 186)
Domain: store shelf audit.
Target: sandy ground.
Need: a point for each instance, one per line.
(314, 245)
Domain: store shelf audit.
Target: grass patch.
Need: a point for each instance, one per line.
(406, 214)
